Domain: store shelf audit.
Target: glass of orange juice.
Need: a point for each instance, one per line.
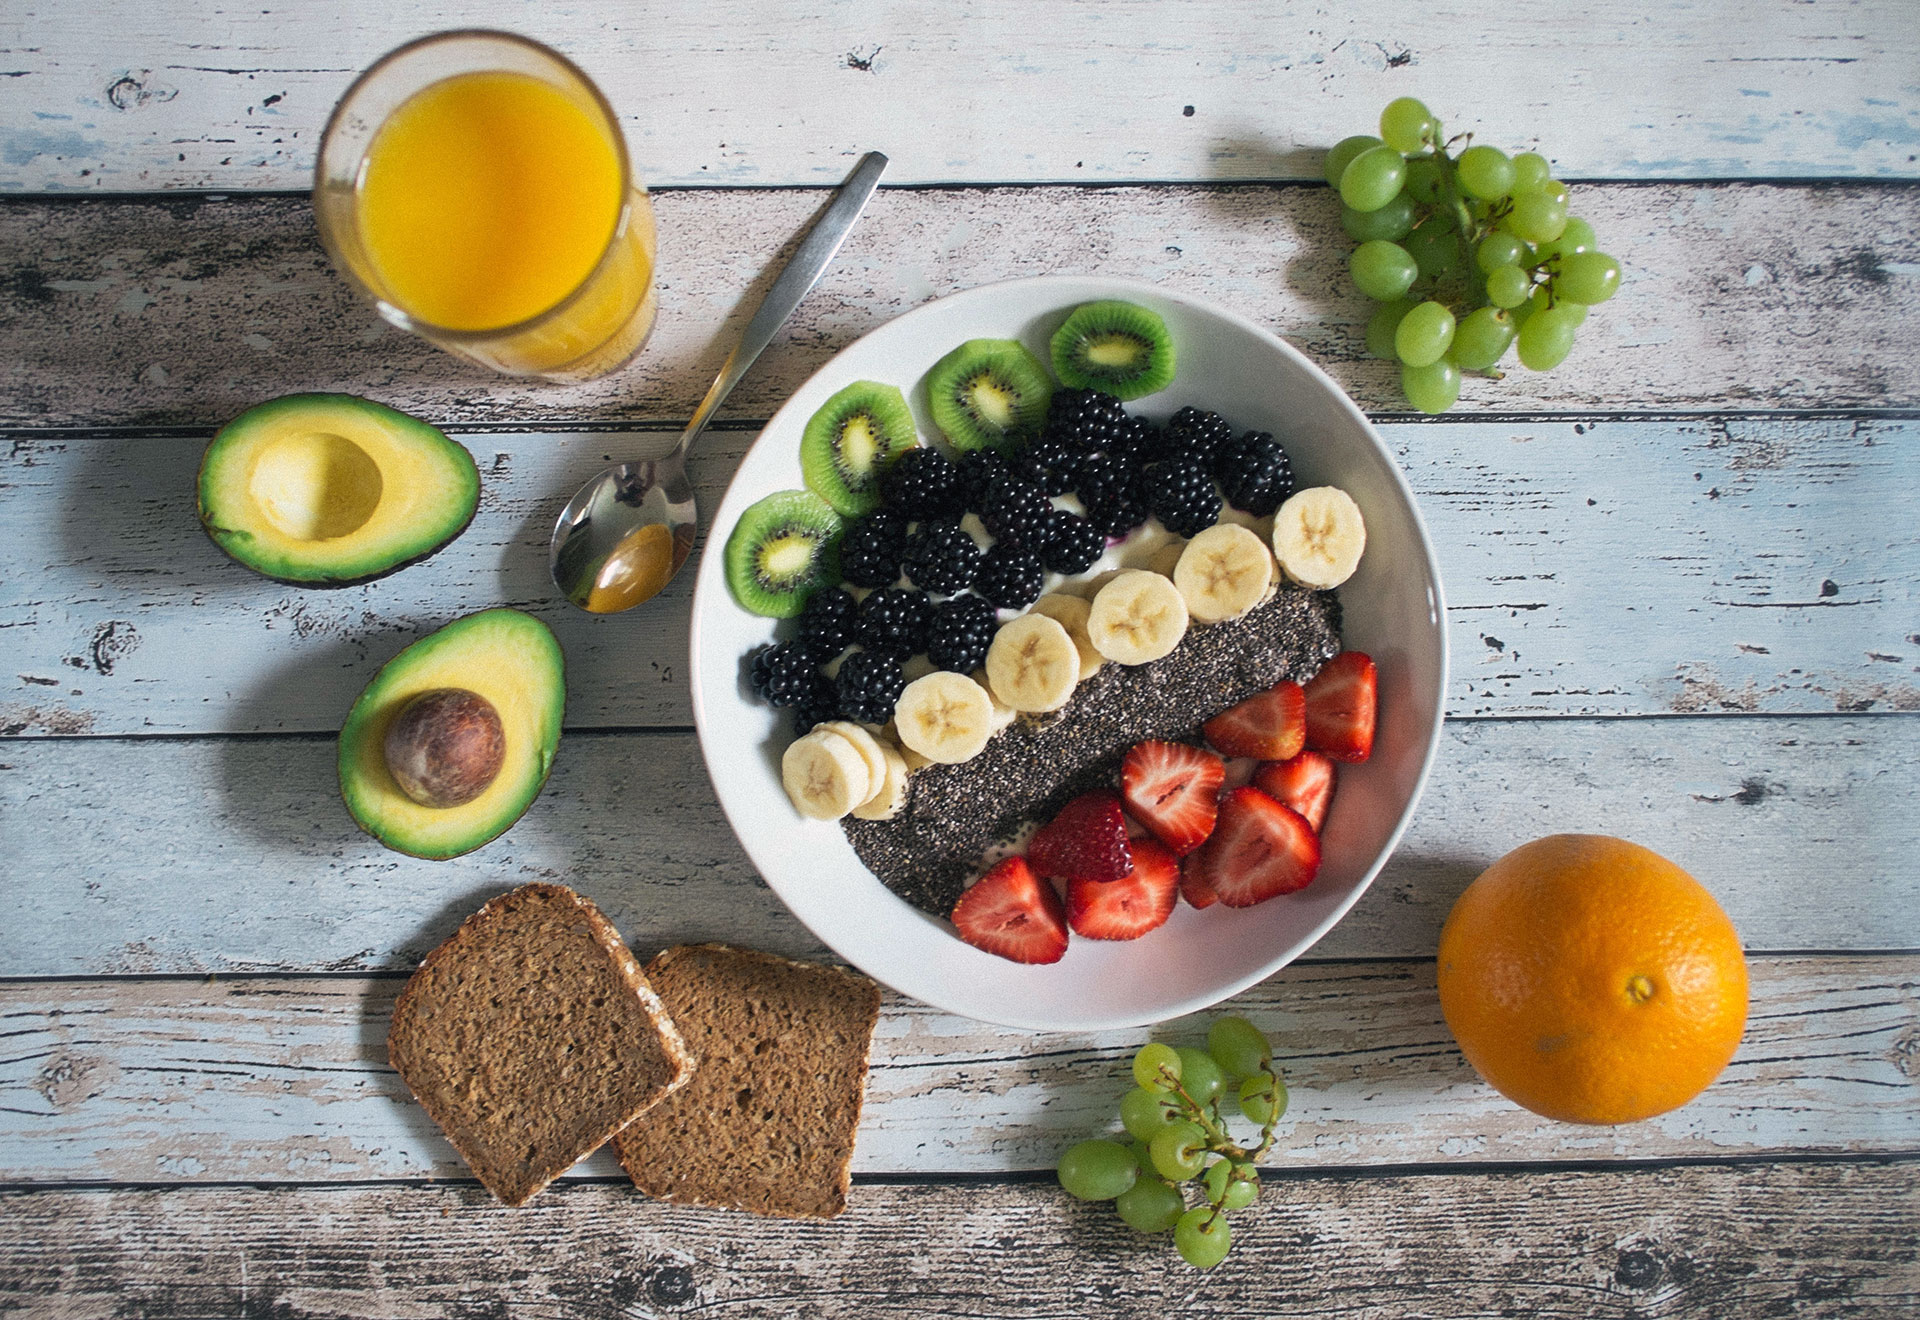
(476, 186)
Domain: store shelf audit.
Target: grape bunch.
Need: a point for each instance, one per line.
(1174, 1116)
(1466, 254)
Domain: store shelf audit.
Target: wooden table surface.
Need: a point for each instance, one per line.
(1681, 571)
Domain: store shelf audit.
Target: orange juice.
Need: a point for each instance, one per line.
(487, 199)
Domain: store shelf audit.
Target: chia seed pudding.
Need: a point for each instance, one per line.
(956, 815)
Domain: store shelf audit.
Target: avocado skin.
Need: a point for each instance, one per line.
(363, 732)
(323, 578)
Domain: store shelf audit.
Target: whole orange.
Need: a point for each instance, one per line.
(1592, 980)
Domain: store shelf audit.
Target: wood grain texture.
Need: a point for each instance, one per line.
(270, 1080)
(128, 95)
(184, 312)
(1624, 568)
(217, 855)
(1642, 1244)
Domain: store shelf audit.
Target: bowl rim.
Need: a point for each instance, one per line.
(1090, 287)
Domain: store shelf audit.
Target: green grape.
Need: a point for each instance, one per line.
(1382, 325)
(1537, 217)
(1200, 1075)
(1480, 341)
(1263, 1097)
(1586, 277)
(1178, 1150)
(1508, 286)
(1547, 338)
(1423, 179)
(1156, 1067)
(1524, 311)
(1097, 1170)
(1554, 189)
(1432, 388)
(1406, 125)
(1202, 1237)
(1382, 270)
(1373, 179)
(1424, 334)
(1232, 1186)
(1485, 172)
(1547, 295)
(1390, 222)
(1435, 250)
(1143, 1156)
(1576, 237)
(1152, 1205)
(1343, 153)
(1237, 1046)
(1499, 249)
(1530, 170)
(1145, 1112)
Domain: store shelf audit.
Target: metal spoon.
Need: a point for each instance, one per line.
(626, 533)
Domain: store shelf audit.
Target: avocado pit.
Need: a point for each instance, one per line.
(445, 746)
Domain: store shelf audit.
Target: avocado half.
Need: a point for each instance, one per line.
(511, 659)
(333, 489)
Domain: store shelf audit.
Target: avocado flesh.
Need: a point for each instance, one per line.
(332, 489)
(507, 657)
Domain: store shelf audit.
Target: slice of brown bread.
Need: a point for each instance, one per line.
(767, 1122)
(531, 1036)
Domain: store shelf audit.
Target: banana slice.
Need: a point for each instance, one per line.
(1090, 587)
(1319, 536)
(1003, 714)
(825, 775)
(891, 796)
(1137, 617)
(945, 717)
(1070, 612)
(891, 734)
(1163, 560)
(866, 744)
(1225, 572)
(1033, 665)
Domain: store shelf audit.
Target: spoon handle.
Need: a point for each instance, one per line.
(802, 270)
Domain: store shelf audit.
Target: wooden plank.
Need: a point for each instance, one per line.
(1802, 1239)
(275, 1080)
(218, 855)
(1625, 568)
(126, 95)
(184, 312)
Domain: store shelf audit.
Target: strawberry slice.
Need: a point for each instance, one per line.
(1192, 888)
(1270, 725)
(1260, 848)
(1174, 790)
(1127, 909)
(1304, 783)
(1009, 911)
(1341, 701)
(1086, 841)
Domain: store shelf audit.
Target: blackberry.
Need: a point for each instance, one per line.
(783, 674)
(1010, 578)
(1016, 513)
(1182, 495)
(979, 471)
(1103, 478)
(820, 703)
(868, 685)
(1254, 473)
(1140, 442)
(893, 622)
(1117, 516)
(923, 484)
(941, 557)
(828, 624)
(1072, 543)
(1194, 433)
(1085, 420)
(1048, 462)
(871, 549)
(962, 631)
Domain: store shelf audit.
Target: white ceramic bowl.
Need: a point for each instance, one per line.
(1392, 610)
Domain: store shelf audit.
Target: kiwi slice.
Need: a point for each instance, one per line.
(855, 437)
(781, 549)
(988, 393)
(1120, 348)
